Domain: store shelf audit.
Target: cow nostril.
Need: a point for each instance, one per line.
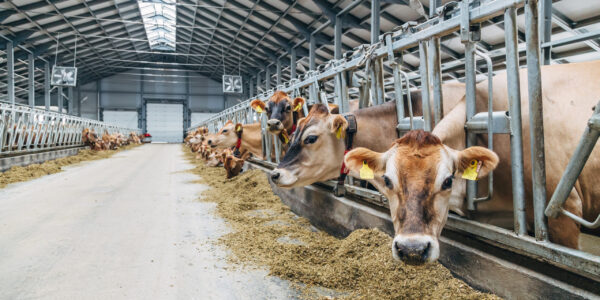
(275, 176)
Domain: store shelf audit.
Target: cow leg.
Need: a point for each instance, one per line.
(562, 229)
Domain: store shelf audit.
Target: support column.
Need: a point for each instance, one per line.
(293, 59)
(10, 62)
(546, 28)
(258, 83)
(250, 87)
(311, 53)
(279, 72)
(375, 28)
(47, 86)
(59, 99)
(70, 103)
(267, 78)
(79, 101)
(31, 80)
(337, 38)
(536, 119)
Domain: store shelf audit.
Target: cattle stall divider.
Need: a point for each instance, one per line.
(465, 21)
(25, 130)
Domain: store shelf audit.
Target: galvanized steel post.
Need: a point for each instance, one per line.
(424, 85)
(293, 63)
(59, 99)
(257, 83)
(546, 28)
(47, 86)
(311, 53)
(278, 72)
(536, 119)
(10, 63)
(375, 27)
(435, 72)
(337, 39)
(470, 112)
(70, 103)
(516, 135)
(267, 78)
(31, 80)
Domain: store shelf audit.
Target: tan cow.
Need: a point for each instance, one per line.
(242, 136)
(317, 149)
(416, 175)
(569, 93)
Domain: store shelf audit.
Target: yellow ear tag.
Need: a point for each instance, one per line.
(238, 128)
(365, 171)
(298, 107)
(286, 139)
(338, 134)
(472, 170)
(258, 109)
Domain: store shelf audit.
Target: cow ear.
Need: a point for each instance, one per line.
(298, 103)
(227, 123)
(338, 124)
(360, 158)
(476, 162)
(239, 128)
(258, 105)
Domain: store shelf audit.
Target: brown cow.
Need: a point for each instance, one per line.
(242, 136)
(317, 149)
(416, 175)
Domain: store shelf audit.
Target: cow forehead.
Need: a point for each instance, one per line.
(417, 165)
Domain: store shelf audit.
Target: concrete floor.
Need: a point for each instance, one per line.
(127, 227)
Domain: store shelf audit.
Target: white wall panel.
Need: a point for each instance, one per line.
(127, 119)
(165, 122)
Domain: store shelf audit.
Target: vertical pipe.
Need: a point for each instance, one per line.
(47, 86)
(59, 99)
(516, 135)
(267, 78)
(293, 64)
(79, 102)
(311, 53)
(424, 86)
(536, 119)
(337, 38)
(375, 11)
(70, 103)
(546, 28)
(435, 72)
(98, 100)
(470, 112)
(31, 80)
(10, 62)
(251, 88)
(257, 83)
(279, 81)
(433, 5)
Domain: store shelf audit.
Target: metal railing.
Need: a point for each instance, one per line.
(24, 129)
(463, 20)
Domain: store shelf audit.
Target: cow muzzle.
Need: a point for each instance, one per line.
(274, 126)
(283, 178)
(415, 249)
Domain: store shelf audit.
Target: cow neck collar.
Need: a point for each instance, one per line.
(238, 143)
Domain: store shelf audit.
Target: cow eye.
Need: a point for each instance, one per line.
(388, 182)
(311, 139)
(225, 131)
(447, 183)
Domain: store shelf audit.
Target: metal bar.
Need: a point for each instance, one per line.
(311, 53)
(424, 85)
(375, 17)
(536, 119)
(576, 163)
(293, 63)
(546, 28)
(435, 72)
(514, 104)
(70, 103)
(470, 112)
(279, 81)
(10, 62)
(490, 122)
(338, 38)
(573, 39)
(59, 99)
(31, 80)
(47, 86)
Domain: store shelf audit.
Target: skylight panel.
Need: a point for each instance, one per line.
(159, 17)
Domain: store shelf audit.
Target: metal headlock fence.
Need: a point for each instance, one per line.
(24, 129)
(361, 72)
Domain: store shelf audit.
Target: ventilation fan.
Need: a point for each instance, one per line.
(232, 84)
(64, 76)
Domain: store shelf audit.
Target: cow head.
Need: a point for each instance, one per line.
(420, 176)
(227, 136)
(281, 111)
(316, 150)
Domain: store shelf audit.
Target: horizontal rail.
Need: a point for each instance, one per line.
(24, 129)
